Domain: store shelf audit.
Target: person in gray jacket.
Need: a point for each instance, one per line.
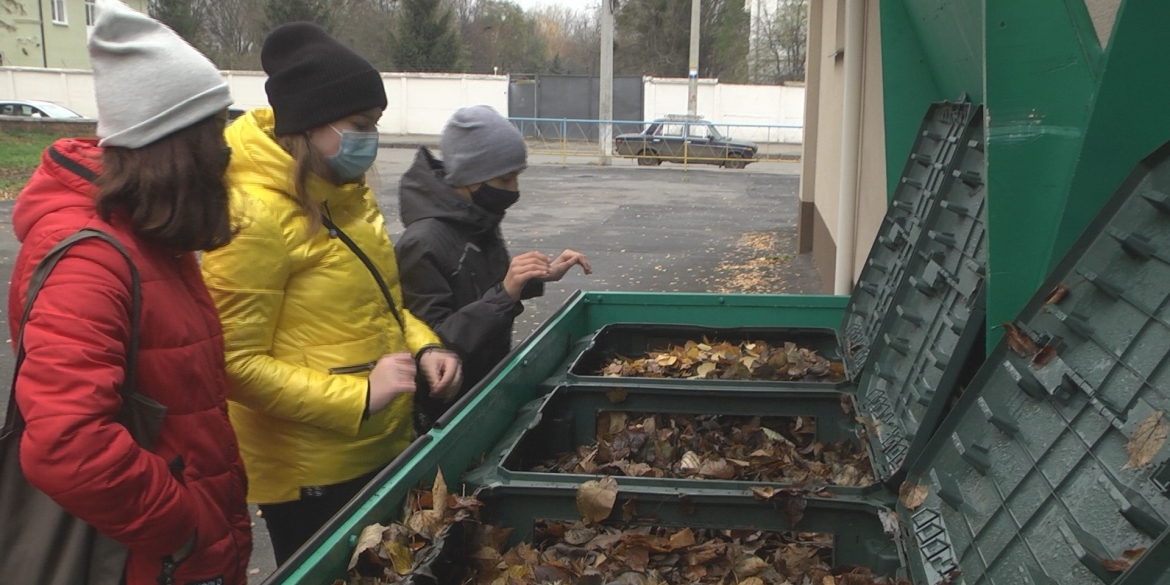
(455, 270)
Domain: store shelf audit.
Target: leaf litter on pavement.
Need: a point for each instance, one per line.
(708, 446)
(453, 546)
(723, 360)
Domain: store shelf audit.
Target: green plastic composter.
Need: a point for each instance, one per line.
(923, 338)
(1050, 468)
(917, 311)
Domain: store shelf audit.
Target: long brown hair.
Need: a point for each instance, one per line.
(307, 162)
(172, 191)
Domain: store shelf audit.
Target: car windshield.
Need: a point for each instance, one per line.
(713, 132)
(55, 111)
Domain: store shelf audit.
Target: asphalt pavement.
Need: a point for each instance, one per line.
(705, 229)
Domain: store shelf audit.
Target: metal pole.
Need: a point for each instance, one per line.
(605, 107)
(693, 74)
(850, 147)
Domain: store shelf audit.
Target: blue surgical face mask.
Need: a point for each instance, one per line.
(356, 154)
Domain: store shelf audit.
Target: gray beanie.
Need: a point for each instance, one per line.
(149, 82)
(479, 144)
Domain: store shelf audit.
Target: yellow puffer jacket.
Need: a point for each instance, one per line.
(301, 314)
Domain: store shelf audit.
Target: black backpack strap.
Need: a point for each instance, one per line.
(336, 232)
(14, 420)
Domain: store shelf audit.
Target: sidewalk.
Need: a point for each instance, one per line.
(774, 151)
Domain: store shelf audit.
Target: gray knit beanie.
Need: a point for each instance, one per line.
(479, 144)
(149, 82)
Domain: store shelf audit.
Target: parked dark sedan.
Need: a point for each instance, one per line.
(685, 139)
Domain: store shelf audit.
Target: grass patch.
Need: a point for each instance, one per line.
(20, 153)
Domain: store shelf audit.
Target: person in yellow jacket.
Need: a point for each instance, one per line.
(321, 354)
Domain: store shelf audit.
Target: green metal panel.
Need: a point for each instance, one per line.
(951, 36)
(908, 87)
(714, 310)
(1129, 117)
(1040, 61)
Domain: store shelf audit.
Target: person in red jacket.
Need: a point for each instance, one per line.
(155, 182)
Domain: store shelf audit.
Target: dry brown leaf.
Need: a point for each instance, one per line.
(871, 426)
(752, 581)
(1115, 565)
(400, 557)
(1146, 441)
(1019, 342)
(749, 566)
(912, 495)
(369, 538)
(695, 573)
(579, 535)
(637, 558)
(439, 495)
(426, 523)
(1044, 356)
(1057, 295)
(595, 499)
(717, 469)
(763, 493)
(1120, 565)
(690, 462)
(682, 539)
(617, 395)
(705, 369)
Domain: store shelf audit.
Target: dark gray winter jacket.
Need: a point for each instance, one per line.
(451, 263)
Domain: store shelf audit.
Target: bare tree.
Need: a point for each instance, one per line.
(233, 31)
(781, 43)
(573, 37)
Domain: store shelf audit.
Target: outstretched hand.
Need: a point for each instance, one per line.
(562, 264)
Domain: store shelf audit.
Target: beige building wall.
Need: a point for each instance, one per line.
(821, 187)
(31, 37)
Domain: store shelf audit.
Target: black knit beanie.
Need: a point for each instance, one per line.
(313, 79)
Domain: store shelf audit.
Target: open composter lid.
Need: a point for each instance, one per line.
(930, 164)
(935, 320)
(1052, 468)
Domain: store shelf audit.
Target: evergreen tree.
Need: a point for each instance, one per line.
(278, 12)
(425, 39)
(179, 15)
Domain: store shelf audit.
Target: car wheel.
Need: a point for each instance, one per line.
(646, 159)
(735, 161)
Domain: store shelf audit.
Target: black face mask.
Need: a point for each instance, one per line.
(494, 200)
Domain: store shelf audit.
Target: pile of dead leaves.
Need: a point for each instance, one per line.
(436, 525)
(749, 360)
(644, 555)
(771, 449)
(443, 541)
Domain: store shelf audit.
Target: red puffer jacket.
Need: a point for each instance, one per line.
(193, 480)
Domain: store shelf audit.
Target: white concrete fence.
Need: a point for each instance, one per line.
(420, 103)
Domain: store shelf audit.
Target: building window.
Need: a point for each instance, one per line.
(59, 12)
(90, 13)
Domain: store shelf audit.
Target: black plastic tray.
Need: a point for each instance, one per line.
(635, 339)
(863, 532)
(567, 418)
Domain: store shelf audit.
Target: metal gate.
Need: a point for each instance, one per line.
(572, 97)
